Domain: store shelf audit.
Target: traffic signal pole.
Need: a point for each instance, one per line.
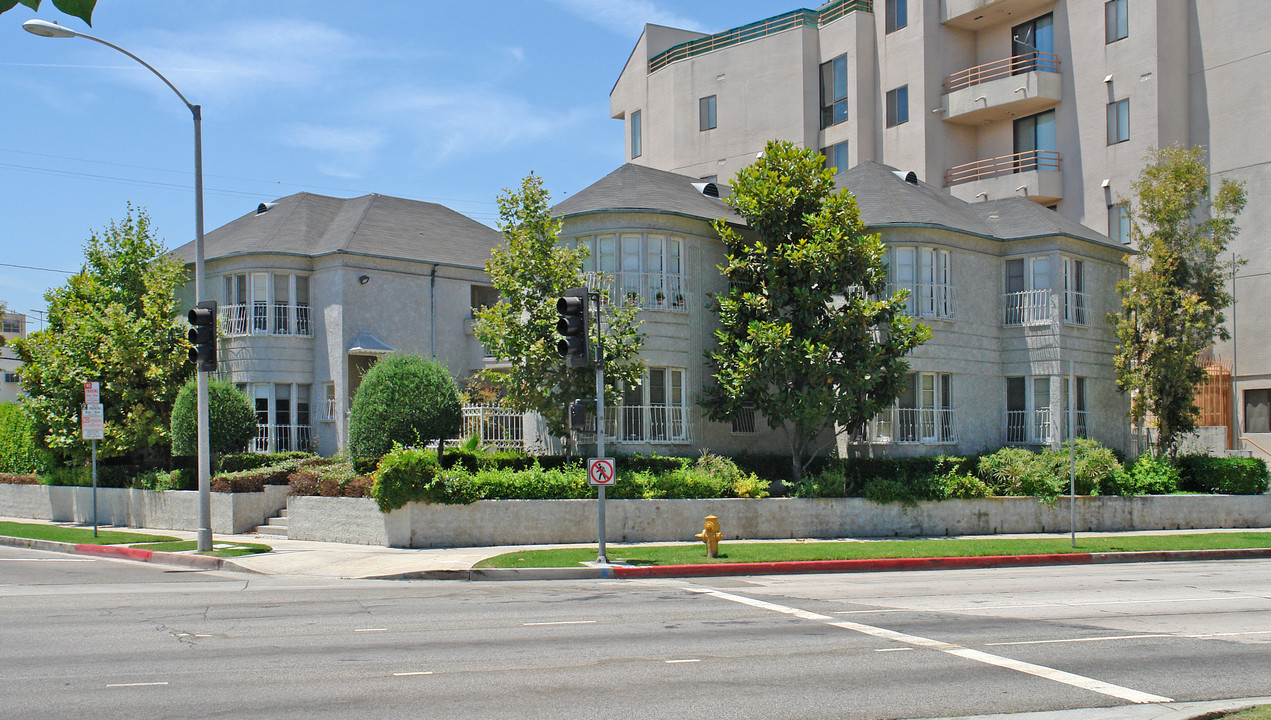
(600, 426)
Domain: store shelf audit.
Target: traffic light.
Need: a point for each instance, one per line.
(203, 335)
(572, 326)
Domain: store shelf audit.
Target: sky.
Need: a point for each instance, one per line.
(446, 101)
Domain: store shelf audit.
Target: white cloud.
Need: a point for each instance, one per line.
(346, 153)
(628, 17)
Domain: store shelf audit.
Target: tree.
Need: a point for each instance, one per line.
(531, 270)
(1174, 296)
(403, 399)
(82, 9)
(808, 337)
(116, 323)
(231, 419)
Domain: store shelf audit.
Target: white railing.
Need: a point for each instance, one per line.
(1025, 427)
(647, 423)
(265, 319)
(496, 426)
(329, 409)
(1081, 425)
(1075, 304)
(1030, 307)
(646, 290)
(282, 438)
(927, 299)
(916, 425)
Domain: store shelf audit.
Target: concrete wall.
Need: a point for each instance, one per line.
(232, 513)
(532, 522)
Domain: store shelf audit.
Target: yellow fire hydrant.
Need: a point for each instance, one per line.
(711, 535)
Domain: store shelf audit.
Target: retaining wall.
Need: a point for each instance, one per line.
(232, 513)
(533, 522)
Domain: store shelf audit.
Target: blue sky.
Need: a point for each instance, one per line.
(447, 102)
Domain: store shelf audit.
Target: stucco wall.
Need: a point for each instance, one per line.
(232, 513)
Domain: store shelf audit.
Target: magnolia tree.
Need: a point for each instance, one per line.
(1174, 296)
(531, 270)
(808, 336)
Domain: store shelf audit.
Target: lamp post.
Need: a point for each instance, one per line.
(43, 28)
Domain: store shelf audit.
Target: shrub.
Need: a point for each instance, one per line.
(330, 477)
(231, 419)
(1095, 468)
(889, 490)
(19, 452)
(404, 475)
(963, 486)
(238, 462)
(403, 399)
(830, 482)
(256, 479)
(1008, 470)
(1229, 475)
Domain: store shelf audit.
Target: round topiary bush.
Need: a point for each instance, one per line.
(231, 419)
(403, 399)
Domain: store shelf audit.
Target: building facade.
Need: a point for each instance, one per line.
(1056, 101)
(14, 326)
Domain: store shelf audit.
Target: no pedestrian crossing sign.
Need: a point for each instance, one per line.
(600, 472)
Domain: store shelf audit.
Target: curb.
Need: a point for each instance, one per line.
(197, 562)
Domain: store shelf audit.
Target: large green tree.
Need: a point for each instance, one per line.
(808, 336)
(1174, 296)
(531, 269)
(115, 322)
(82, 9)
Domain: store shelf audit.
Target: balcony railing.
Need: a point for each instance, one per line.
(795, 18)
(329, 409)
(265, 319)
(916, 425)
(1033, 307)
(647, 290)
(1028, 62)
(644, 424)
(1004, 165)
(1025, 427)
(936, 300)
(282, 438)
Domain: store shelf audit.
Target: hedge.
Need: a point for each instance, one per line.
(1227, 475)
(20, 454)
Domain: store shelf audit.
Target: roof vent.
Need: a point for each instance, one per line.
(708, 189)
(265, 207)
(910, 177)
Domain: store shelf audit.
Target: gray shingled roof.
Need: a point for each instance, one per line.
(378, 225)
(642, 189)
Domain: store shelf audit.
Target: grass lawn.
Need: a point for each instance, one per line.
(733, 552)
(1258, 713)
(60, 533)
(218, 549)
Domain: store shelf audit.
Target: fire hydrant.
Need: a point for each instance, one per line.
(711, 535)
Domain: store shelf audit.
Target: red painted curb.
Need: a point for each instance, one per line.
(113, 551)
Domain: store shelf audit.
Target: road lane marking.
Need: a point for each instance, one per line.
(562, 622)
(1060, 676)
(893, 649)
(1029, 606)
(370, 629)
(143, 684)
(676, 662)
(411, 674)
(1227, 634)
(1082, 640)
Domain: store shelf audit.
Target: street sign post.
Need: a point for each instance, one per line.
(92, 425)
(600, 472)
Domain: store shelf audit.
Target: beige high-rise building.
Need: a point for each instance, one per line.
(1054, 100)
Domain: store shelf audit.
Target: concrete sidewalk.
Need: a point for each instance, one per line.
(1163, 711)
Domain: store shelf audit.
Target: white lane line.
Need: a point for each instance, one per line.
(893, 649)
(1227, 634)
(1078, 681)
(1028, 606)
(676, 662)
(562, 622)
(145, 684)
(370, 630)
(1083, 640)
(202, 636)
(412, 674)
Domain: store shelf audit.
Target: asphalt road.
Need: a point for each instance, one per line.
(107, 638)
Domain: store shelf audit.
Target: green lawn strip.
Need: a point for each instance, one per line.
(235, 550)
(1262, 712)
(61, 533)
(736, 552)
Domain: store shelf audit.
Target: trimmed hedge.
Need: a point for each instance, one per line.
(1227, 475)
(238, 462)
(19, 452)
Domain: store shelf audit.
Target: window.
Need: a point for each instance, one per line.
(1116, 20)
(1028, 287)
(897, 12)
(1257, 411)
(12, 377)
(1080, 410)
(328, 401)
(1075, 300)
(646, 269)
(636, 148)
(1119, 223)
(744, 422)
(655, 410)
(706, 113)
(1029, 41)
(12, 326)
(836, 156)
(1028, 413)
(923, 412)
(1035, 135)
(265, 304)
(1118, 121)
(287, 406)
(898, 106)
(834, 91)
(927, 274)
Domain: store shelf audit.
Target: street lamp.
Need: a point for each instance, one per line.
(43, 28)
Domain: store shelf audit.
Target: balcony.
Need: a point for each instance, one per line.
(282, 438)
(642, 424)
(665, 292)
(1003, 89)
(979, 14)
(1043, 307)
(916, 425)
(927, 300)
(265, 319)
(1028, 427)
(1035, 174)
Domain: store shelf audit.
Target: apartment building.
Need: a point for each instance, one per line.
(313, 290)
(1056, 101)
(996, 371)
(14, 326)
